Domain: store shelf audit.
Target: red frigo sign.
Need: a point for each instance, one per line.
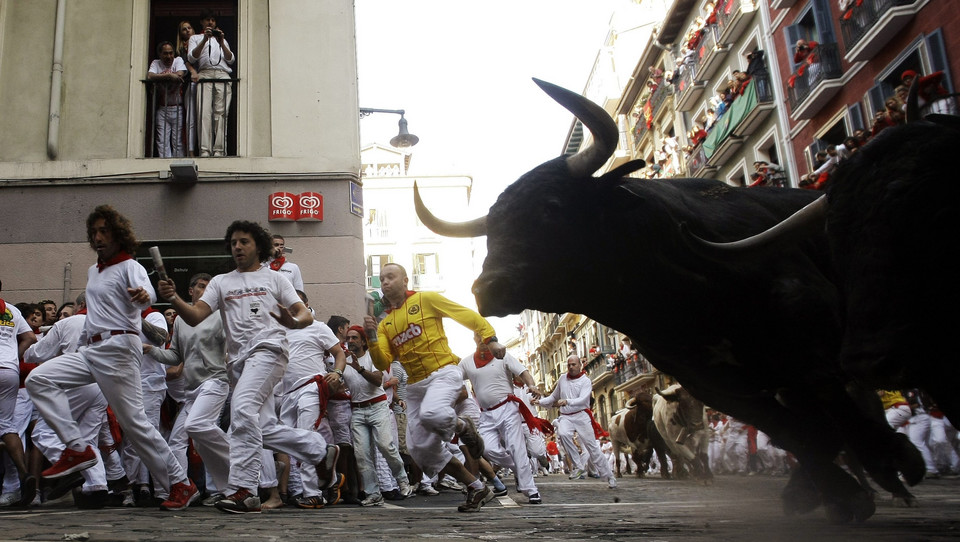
(287, 206)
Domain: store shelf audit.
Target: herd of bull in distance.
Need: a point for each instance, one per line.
(791, 330)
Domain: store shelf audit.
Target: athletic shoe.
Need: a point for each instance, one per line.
(181, 496)
(241, 502)
(91, 501)
(28, 491)
(427, 489)
(392, 495)
(612, 482)
(128, 501)
(213, 499)
(8, 499)
(471, 438)
(333, 492)
(70, 462)
(450, 483)
(375, 499)
(500, 492)
(535, 499)
(312, 503)
(143, 497)
(406, 490)
(577, 474)
(327, 469)
(476, 498)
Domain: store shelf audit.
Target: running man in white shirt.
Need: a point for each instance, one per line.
(500, 412)
(256, 305)
(118, 289)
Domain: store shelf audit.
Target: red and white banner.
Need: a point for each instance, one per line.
(287, 206)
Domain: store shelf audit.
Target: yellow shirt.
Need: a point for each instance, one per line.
(891, 398)
(413, 333)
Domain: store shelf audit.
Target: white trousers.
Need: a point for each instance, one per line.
(89, 408)
(114, 364)
(199, 420)
(579, 423)
(136, 471)
(214, 107)
(254, 425)
(301, 408)
(505, 444)
(432, 419)
(169, 131)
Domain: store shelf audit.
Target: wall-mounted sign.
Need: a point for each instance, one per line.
(287, 206)
(356, 199)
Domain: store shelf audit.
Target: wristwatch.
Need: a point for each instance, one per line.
(339, 373)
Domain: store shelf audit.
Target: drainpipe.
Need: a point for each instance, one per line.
(53, 126)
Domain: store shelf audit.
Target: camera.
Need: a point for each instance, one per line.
(216, 33)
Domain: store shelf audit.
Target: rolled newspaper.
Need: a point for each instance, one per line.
(158, 262)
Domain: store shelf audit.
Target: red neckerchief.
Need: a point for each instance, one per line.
(3, 307)
(277, 263)
(147, 311)
(482, 358)
(407, 296)
(117, 258)
(81, 311)
(574, 377)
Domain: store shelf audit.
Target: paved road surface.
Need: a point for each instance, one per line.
(734, 508)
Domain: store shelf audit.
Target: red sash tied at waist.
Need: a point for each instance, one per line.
(597, 428)
(323, 390)
(532, 421)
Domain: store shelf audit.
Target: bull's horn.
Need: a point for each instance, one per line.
(803, 223)
(913, 102)
(473, 228)
(604, 130)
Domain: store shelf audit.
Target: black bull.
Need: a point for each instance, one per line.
(756, 338)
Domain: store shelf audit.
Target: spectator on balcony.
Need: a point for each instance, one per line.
(807, 55)
(212, 56)
(167, 73)
(930, 91)
(768, 174)
(697, 134)
(184, 33)
(755, 63)
(741, 79)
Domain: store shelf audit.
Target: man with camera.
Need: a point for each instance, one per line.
(212, 56)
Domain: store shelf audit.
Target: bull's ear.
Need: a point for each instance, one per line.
(623, 170)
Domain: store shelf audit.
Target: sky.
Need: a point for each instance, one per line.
(462, 72)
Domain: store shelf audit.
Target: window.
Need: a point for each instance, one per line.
(426, 272)
(184, 259)
(376, 225)
(174, 110)
(926, 55)
(815, 23)
(375, 263)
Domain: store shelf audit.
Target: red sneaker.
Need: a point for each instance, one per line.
(181, 495)
(70, 462)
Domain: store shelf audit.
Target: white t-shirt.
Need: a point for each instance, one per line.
(245, 301)
(108, 303)
(11, 325)
(63, 338)
(308, 347)
(360, 389)
(171, 90)
(493, 382)
(153, 375)
(292, 272)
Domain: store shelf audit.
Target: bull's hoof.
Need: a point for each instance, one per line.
(800, 496)
(857, 508)
(909, 461)
(905, 500)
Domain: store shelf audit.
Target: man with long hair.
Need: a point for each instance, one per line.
(256, 305)
(118, 289)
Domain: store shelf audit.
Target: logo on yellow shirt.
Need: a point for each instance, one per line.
(413, 309)
(413, 331)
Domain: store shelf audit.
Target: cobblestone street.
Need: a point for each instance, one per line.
(733, 508)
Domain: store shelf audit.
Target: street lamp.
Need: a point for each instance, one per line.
(403, 139)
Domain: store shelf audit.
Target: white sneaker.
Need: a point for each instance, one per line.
(612, 482)
(448, 482)
(427, 489)
(406, 490)
(8, 499)
(372, 500)
(577, 473)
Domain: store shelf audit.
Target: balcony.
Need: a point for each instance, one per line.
(639, 131)
(756, 109)
(734, 18)
(172, 124)
(867, 28)
(599, 371)
(782, 4)
(697, 163)
(710, 55)
(660, 96)
(688, 90)
(813, 85)
(627, 373)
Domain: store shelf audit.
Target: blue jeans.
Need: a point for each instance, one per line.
(371, 426)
